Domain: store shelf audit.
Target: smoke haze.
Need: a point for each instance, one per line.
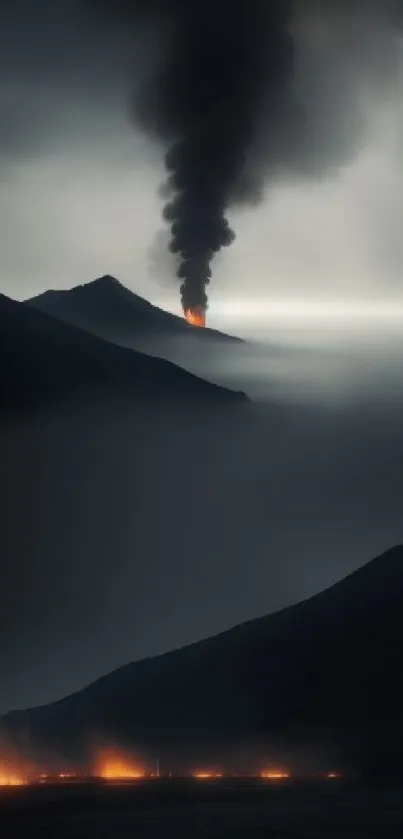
(234, 91)
(309, 500)
(66, 139)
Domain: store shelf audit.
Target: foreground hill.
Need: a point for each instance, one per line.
(317, 681)
(108, 309)
(44, 358)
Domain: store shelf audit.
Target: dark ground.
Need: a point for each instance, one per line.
(203, 810)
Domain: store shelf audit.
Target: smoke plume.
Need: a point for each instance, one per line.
(205, 100)
(222, 94)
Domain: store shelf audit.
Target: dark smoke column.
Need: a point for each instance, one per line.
(212, 76)
(219, 61)
(221, 58)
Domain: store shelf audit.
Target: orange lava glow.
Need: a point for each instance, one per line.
(196, 317)
(14, 771)
(274, 775)
(207, 775)
(8, 779)
(113, 765)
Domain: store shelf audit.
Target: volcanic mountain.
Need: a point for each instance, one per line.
(106, 308)
(319, 678)
(43, 358)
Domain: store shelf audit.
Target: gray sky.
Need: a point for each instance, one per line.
(79, 184)
(305, 494)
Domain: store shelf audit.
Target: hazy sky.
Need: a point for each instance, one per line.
(79, 183)
(290, 503)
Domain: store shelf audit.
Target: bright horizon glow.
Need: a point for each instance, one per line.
(308, 311)
(337, 310)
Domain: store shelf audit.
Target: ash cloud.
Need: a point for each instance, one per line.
(217, 63)
(244, 93)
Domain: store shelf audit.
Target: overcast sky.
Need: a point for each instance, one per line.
(79, 182)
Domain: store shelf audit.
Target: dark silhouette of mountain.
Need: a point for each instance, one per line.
(322, 677)
(44, 358)
(108, 309)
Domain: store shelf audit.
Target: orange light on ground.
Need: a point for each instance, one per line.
(11, 780)
(11, 777)
(13, 773)
(113, 765)
(196, 317)
(206, 775)
(274, 775)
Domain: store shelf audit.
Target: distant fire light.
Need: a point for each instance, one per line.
(13, 773)
(11, 780)
(274, 775)
(113, 765)
(207, 775)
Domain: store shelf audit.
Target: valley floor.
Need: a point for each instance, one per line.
(202, 810)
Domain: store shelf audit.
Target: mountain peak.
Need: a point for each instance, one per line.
(107, 308)
(108, 285)
(107, 282)
(106, 279)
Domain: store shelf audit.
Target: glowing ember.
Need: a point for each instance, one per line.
(206, 775)
(8, 778)
(112, 765)
(334, 775)
(13, 773)
(196, 317)
(274, 775)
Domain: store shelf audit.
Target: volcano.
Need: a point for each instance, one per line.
(321, 677)
(107, 309)
(45, 359)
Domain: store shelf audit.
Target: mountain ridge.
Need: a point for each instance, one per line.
(322, 671)
(109, 309)
(393, 555)
(45, 357)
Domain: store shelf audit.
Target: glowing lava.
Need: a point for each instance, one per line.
(113, 765)
(274, 775)
(207, 775)
(13, 771)
(7, 780)
(10, 776)
(196, 317)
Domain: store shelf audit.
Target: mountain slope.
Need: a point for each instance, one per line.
(108, 309)
(325, 671)
(45, 358)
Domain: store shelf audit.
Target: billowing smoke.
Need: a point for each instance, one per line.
(217, 63)
(222, 93)
(205, 100)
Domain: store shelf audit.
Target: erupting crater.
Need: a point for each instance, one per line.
(196, 317)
